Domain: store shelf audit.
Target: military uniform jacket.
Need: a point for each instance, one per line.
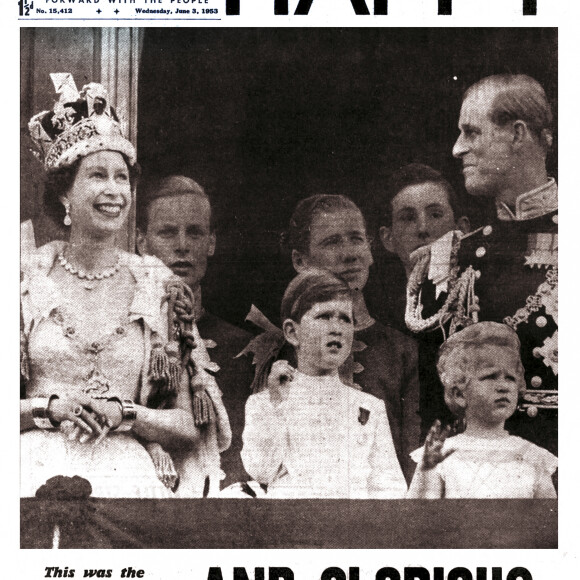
(518, 286)
(515, 262)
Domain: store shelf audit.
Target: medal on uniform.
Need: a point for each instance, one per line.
(542, 250)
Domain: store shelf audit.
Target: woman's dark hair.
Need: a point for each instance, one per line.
(298, 237)
(413, 174)
(59, 182)
(311, 287)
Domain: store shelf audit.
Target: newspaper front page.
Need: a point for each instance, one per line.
(265, 103)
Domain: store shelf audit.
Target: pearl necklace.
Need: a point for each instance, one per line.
(89, 279)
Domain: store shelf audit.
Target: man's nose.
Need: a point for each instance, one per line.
(460, 148)
(182, 243)
(422, 225)
(350, 251)
(335, 327)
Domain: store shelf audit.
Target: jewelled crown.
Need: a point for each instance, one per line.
(79, 124)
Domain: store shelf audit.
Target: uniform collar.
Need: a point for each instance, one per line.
(532, 204)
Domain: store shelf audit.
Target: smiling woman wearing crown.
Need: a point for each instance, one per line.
(105, 396)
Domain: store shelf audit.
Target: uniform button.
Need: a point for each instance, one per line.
(477, 274)
(532, 412)
(541, 321)
(487, 230)
(537, 352)
(555, 218)
(536, 382)
(480, 252)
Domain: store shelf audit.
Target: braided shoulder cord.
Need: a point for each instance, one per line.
(167, 356)
(461, 305)
(180, 319)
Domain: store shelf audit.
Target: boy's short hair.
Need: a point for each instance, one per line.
(311, 287)
(298, 235)
(170, 186)
(413, 174)
(457, 356)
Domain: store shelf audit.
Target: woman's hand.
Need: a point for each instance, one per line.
(83, 418)
(75, 417)
(109, 411)
(164, 467)
(279, 381)
(433, 451)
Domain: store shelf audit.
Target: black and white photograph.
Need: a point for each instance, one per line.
(289, 288)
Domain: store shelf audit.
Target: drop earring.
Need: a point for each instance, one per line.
(67, 220)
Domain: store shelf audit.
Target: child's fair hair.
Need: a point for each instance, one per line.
(458, 355)
(311, 287)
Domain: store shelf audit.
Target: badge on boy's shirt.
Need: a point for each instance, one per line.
(363, 415)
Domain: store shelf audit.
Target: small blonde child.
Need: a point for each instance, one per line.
(482, 374)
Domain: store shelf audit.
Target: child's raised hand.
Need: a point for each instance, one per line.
(279, 380)
(433, 451)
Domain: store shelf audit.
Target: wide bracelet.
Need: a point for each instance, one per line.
(40, 412)
(128, 413)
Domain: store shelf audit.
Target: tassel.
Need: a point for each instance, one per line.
(159, 366)
(201, 408)
(164, 466)
(201, 401)
(173, 366)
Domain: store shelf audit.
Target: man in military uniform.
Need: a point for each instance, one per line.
(506, 271)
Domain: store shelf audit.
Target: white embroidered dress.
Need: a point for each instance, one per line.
(506, 467)
(119, 466)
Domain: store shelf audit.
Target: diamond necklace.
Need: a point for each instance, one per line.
(89, 279)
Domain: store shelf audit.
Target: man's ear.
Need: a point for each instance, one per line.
(211, 247)
(386, 236)
(463, 224)
(141, 243)
(521, 133)
(299, 261)
(290, 327)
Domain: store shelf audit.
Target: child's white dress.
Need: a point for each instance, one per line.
(507, 467)
(327, 440)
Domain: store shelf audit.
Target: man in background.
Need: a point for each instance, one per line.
(175, 224)
(416, 208)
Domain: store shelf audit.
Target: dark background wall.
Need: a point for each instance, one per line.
(265, 117)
